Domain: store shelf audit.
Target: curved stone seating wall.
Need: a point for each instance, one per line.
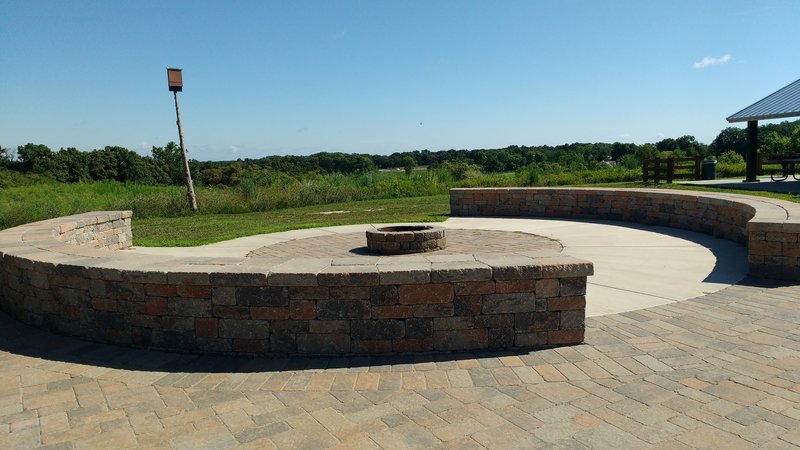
(68, 275)
(769, 227)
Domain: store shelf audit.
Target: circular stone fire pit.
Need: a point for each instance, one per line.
(403, 239)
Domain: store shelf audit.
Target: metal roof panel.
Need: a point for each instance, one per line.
(784, 102)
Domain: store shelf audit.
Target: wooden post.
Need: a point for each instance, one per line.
(657, 170)
(697, 163)
(670, 169)
(189, 184)
(752, 152)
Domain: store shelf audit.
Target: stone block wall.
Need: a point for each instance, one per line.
(299, 306)
(769, 227)
(111, 230)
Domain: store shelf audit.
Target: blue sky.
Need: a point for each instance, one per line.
(264, 78)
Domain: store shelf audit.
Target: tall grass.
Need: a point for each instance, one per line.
(28, 203)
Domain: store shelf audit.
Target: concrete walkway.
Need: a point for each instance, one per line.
(717, 371)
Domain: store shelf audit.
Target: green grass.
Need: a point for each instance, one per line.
(209, 228)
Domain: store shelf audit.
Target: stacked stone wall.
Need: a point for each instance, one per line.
(298, 306)
(770, 228)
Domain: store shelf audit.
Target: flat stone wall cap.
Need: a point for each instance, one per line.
(503, 259)
(458, 271)
(791, 226)
(457, 257)
(403, 259)
(349, 276)
(540, 253)
(187, 274)
(235, 276)
(298, 272)
(88, 252)
(762, 224)
(564, 266)
(405, 273)
(352, 261)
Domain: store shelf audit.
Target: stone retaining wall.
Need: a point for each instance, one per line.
(770, 228)
(67, 275)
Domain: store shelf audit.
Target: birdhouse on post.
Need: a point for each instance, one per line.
(175, 80)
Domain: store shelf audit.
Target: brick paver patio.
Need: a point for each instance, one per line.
(718, 371)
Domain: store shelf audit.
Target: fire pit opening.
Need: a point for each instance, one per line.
(402, 239)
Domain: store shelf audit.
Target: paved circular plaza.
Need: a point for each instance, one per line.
(715, 370)
(460, 243)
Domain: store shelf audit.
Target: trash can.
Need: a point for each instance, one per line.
(708, 169)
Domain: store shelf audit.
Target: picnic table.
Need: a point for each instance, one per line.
(788, 167)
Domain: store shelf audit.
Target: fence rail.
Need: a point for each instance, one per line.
(668, 169)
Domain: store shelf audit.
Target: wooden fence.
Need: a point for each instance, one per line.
(668, 169)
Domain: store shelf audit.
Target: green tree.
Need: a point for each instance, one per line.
(628, 161)
(457, 168)
(731, 138)
(667, 145)
(775, 144)
(71, 165)
(170, 158)
(103, 164)
(646, 151)
(35, 158)
(5, 157)
(408, 164)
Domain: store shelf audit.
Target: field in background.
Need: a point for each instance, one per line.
(42, 200)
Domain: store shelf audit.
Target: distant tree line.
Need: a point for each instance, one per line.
(164, 165)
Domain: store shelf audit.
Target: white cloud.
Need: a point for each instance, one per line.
(712, 61)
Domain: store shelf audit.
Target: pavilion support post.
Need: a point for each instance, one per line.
(751, 174)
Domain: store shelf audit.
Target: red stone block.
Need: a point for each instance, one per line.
(206, 328)
(104, 304)
(392, 312)
(791, 250)
(161, 290)
(155, 306)
(415, 294)
(302, 309)
(764, 248)
(565, 337)
(269, 312)
(509, 286)
(194, 291)
(566, 303)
